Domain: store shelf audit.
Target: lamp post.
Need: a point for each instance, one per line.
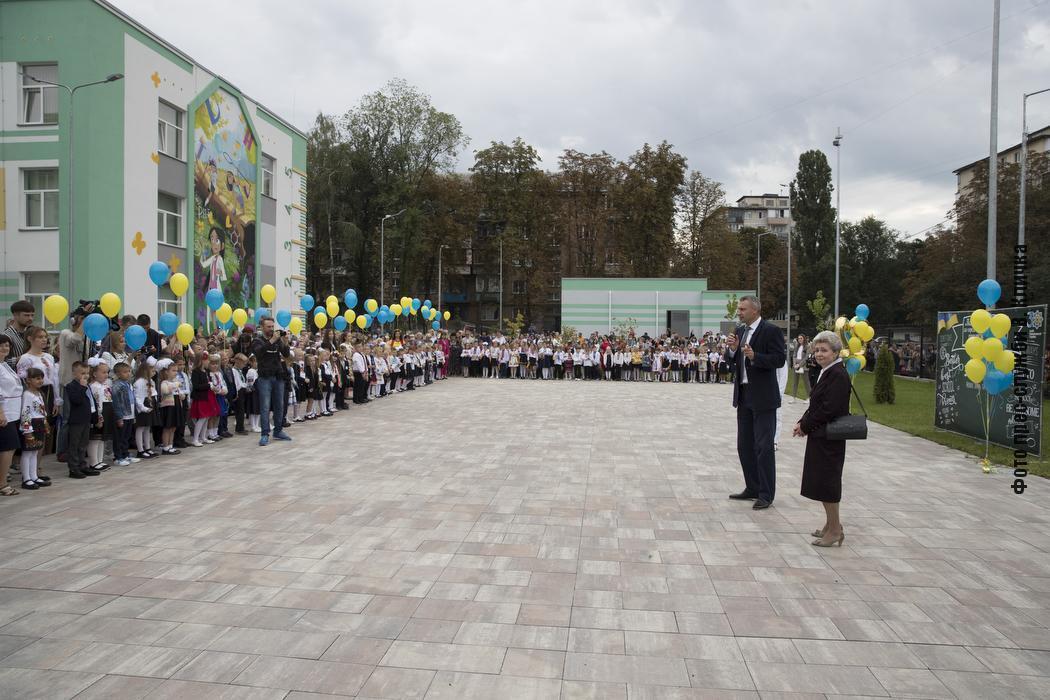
(111, 78)
(1019, 256)
(838, 209)
(789, 280)
(382, 257)
(331, 254)
(501, 284)
(440, 302)
(993, 154)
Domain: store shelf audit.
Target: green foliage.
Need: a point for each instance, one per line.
(884, 388)
(569, 334)
(514, 327)
(814, 236)
(625, 327)
(731, 304)
(650, 181)
(820, 310)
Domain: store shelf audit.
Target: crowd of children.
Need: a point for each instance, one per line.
(668, 358)
(142, 405)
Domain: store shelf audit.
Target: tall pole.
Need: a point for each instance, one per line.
(758, 286)
(382, 258)
(838, 209)
(993, 149)
(501, 284)
(1019, 255)
(789, 288)
(331, 254)
(440, 302)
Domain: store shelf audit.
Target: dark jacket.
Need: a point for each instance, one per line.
(269, 356)
(829, 400)
(78, 404)
(770, 353)
(200, 385)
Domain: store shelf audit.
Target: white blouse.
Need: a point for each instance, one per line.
(10, 393)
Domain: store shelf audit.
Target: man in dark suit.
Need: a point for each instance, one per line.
(755, 351)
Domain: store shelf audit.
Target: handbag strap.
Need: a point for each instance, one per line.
(852, 387)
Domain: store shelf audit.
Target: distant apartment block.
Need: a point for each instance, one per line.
(1038, 142)
(769, 211)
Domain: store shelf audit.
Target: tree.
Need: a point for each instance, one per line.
(650, 182)
(871, 270)
(814, 236)
(884, 388)
(701, 207)
(820, 309)
(587, 217)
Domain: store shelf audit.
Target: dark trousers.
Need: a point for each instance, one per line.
(238, 410)
(360, 387)
(76, 446)
(122, 439)
(754, 445)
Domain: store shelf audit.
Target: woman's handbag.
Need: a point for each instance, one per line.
(848, 427)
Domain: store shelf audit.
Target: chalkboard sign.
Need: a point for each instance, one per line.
(960, 402)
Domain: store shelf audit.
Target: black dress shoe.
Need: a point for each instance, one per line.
(90, 471)
(760, 504)
(77, 475)
(743, 496)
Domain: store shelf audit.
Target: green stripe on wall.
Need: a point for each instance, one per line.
(645, 284)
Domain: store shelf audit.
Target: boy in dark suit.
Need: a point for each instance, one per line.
(80, 407)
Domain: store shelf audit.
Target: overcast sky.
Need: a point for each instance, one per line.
(740, 88)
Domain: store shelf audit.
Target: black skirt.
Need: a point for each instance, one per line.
(9, 438)
(148, 420)
(169, 417)
(109, 423)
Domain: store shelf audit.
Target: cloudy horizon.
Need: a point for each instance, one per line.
(740, 89)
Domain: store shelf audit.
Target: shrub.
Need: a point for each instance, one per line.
(884, 390)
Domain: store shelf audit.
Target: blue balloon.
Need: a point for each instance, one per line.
(987, 334)
(427, 303)
(284, 317)
(168, 323)
(853, 365)
(350, 298)
(436, 325)
(261, 313)
(368, 321)
(319, 310)
(135, 337)
(214, 299)
(415, 304)
(405, 311)
(989, 292)
(307, 303)
(384, 308)
(995, 381)
(339, 323)
(159, 272)
(861, 312)
(227, 325)
(96, 326)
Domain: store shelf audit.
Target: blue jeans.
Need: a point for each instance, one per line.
(271, 394)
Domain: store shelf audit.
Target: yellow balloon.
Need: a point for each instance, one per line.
(840, 323)
(975, 371)
(864, 331)
(993, 348)
(332, 307)
(320, 319)
(179, 283)
(855, 345)
(844, 353)
(447, 315)
(863, 360)
(1000, 325)
(55, 308)
(433, 313)
(413, 311)
(268, 294)
(361, 321)
(1005, 361)
(240, 317)
(110, 304)
(295, 326)
(405, 301)
(184, 333)
(349, 315)
(395, 309)
(330, 299)
(980, 320)
(370, 306)
(224, 312)
(974, 347)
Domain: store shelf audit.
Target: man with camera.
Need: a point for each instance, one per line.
(270, 349)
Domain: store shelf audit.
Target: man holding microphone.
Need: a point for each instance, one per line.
(755, 351)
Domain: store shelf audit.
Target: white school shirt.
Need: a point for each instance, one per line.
(144, 389)
(358, 363)
(439, 356)
(504, 356)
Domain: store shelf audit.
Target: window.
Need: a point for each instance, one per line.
(39, 286)
(267, 175)
(170, 125)
(489, 313)
(770, 202)
(493, 284)
(555, 295)
(39, 101)
(783, 203)
(518, 287)
(169, 219)
(41, 198)
(167, 301)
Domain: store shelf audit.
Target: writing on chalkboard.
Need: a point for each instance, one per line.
(960, 404)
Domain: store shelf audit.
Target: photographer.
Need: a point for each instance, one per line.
(270, 349)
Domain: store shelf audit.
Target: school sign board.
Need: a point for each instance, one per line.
(960, 402)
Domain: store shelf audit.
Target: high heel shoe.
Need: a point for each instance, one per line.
(833, 543)
(817, 533)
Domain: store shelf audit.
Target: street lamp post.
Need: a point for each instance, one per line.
(382, 257)
(112, 77)
(331, 253)
(1019, 256)
(440, 302)
(501, 284)
(838, 209)
(993, 148)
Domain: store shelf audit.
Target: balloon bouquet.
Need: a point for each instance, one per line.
(855, 334)
(991, 364)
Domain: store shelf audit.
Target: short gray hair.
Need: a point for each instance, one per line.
(754, 301)
(830, 339)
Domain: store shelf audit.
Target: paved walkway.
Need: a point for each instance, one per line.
(484, 539)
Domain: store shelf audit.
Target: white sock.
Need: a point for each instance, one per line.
(28, 465)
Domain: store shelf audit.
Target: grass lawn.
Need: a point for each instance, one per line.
(913, 413)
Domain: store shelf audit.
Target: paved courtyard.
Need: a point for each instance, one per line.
(483, 539)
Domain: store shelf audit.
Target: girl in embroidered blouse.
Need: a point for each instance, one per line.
(215, 263)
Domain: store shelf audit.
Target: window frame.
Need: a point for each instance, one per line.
(27, 84)
(174, 304)
(37, 298)
(264, 190)
(164, 215)
(179, 129)
(24, 223)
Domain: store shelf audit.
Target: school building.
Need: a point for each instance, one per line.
(166, 160)
(652, 305)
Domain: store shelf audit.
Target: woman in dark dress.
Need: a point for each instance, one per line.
(822, 466)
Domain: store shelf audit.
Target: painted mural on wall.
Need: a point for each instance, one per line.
(224, 177)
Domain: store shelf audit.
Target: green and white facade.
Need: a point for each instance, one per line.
(652, 305)
(133, 154)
